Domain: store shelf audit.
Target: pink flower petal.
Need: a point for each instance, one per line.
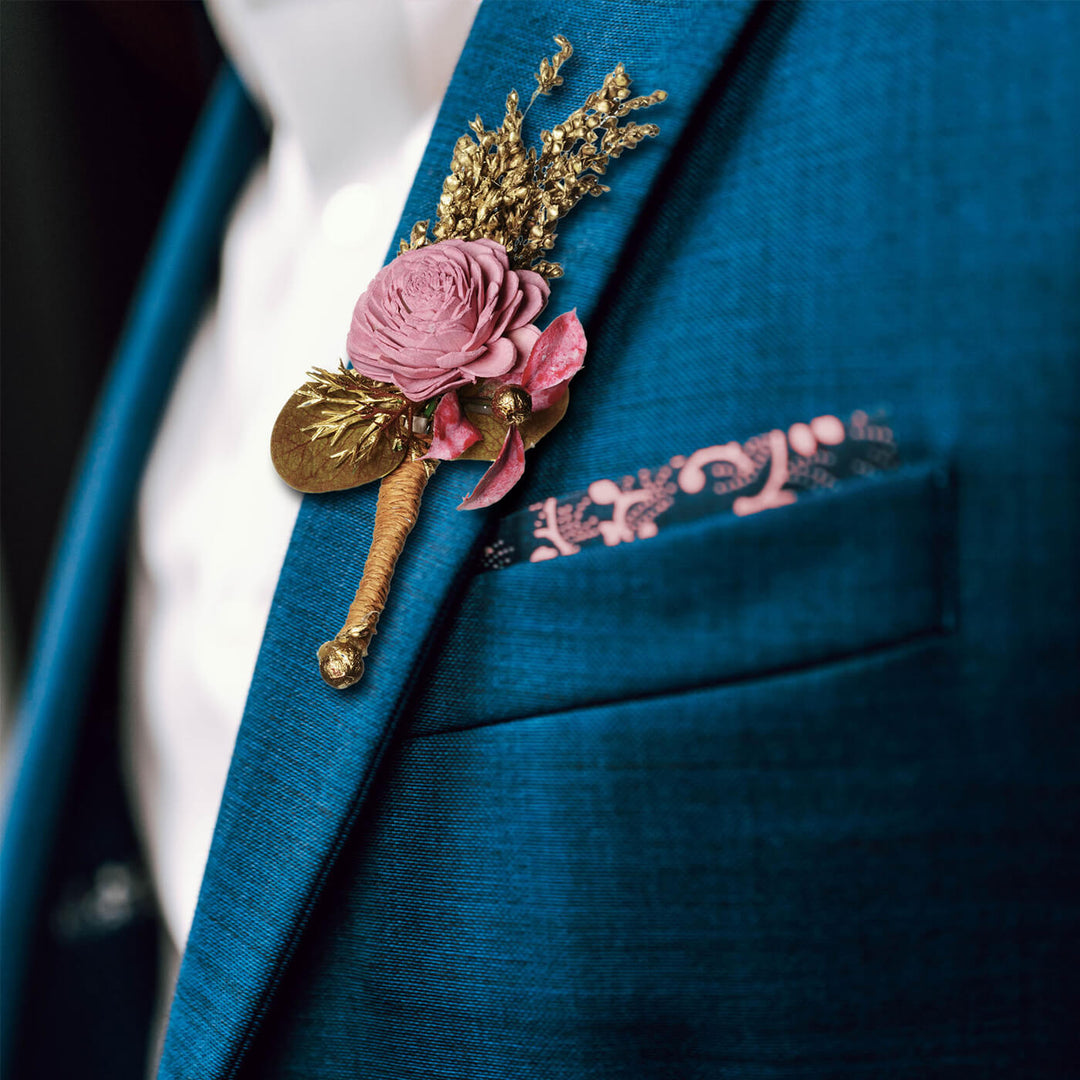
(523, 340)
(504, 473)
(452, 434)
(534, 297)
(497, 359)
(498, 252)
(544, 399)
(557, 355)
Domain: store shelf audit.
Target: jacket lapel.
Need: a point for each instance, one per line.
(67, 643)
(306, 755)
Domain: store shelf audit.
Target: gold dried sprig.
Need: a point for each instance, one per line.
(548, 77)
(500, 190)
(346, 399)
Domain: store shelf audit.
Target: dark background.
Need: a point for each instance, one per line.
(97, 102)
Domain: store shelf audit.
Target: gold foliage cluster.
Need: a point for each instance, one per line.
(501, 190)
(344, 401)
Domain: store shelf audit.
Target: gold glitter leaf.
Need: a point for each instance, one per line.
(341, 430)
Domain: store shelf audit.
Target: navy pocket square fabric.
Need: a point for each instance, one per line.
(765, 472)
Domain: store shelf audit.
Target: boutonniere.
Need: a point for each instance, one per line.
(447, 361)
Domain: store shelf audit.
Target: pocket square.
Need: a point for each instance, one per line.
(765, 472)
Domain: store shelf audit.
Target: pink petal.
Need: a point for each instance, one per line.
(534, 297)
(557, 355)
(496, 360)
(497, 250)
(504, 473)
(452, 434)
(501, 312)
(544, 399)
(523, 340)
(423, 385)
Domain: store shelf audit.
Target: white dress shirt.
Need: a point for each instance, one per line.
(352, 88)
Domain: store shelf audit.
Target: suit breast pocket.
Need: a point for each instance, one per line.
(861, 567)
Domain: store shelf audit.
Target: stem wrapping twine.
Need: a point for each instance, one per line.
(341, 660)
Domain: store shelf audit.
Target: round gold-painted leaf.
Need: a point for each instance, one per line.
(313, 454)
(493, 432)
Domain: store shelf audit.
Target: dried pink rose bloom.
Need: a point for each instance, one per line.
(442, 316)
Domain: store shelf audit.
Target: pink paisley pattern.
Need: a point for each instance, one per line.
(765, 472)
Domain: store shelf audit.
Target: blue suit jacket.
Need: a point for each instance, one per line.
(789, 795)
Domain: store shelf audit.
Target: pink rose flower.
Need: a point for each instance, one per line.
(442, 316)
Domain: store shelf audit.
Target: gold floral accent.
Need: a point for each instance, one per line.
(343, 428)
(500, 190)
(345, 399)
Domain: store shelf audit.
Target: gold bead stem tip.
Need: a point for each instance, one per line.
(341, 662)
(511, 405)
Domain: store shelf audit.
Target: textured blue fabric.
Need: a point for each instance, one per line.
(785, 796)
(65, 650)
(811, 875)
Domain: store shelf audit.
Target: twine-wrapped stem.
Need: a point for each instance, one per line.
(341, 661)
